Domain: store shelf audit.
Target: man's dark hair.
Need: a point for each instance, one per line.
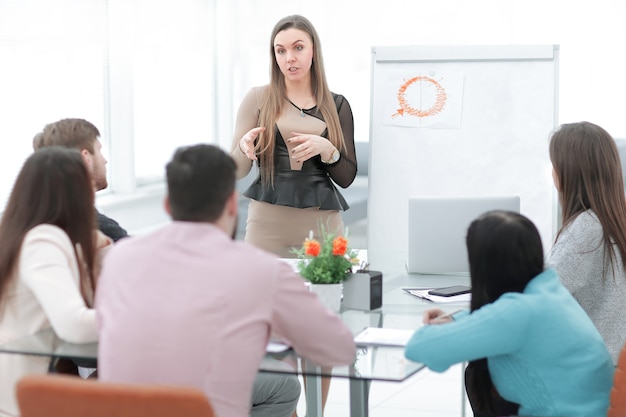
(200, 178)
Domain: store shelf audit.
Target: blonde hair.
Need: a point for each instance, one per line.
(274, 99)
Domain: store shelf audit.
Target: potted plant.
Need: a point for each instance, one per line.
(325, 263)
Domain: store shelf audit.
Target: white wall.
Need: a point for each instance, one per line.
(591, 38)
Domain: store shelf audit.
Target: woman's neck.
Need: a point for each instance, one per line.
(298, 92)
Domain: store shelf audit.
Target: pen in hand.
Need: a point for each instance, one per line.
(437, 316)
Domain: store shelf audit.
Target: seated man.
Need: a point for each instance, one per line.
(189, 305)
(83, 135)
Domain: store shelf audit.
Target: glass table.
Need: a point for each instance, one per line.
(380, 363)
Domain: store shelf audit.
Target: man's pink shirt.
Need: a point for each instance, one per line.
(187, 305)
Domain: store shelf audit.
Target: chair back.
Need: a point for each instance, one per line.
(54, 395)
(617, 405)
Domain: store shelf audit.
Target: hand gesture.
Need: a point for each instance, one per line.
(305, 146)
(246, 144)
(103, 244)
(101, 240)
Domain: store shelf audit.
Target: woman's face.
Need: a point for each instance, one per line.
(293, 51)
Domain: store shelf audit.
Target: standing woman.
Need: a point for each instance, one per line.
(590, 248)
(301, 136)
(48, 260)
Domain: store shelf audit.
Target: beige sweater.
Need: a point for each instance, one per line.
(45, 293)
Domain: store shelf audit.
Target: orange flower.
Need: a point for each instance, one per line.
(326, 260)
(312, 247)
(340, 246)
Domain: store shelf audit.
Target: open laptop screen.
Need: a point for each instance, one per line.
(438, 227)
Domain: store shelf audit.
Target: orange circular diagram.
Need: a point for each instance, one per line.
(406, 108)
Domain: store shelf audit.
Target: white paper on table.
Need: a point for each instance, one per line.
(276, 346)
(377, 336)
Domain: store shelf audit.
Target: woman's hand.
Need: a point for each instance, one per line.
(306, 146)
(103, 245)
(434, 316)
(246, 144)
(101, 240)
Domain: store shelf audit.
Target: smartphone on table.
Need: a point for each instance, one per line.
(451, 291)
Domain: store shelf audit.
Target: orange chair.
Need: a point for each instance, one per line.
(617, 406)
(54, 395)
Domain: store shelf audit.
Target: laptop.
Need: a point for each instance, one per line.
(438, 227)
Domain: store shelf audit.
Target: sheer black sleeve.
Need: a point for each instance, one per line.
(343, 171)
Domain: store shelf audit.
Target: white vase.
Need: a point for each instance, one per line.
(329, 295)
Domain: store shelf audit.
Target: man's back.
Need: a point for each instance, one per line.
(187, 305)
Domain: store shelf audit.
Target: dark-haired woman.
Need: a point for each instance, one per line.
(590, 247)
(528, 339)
(48, 260)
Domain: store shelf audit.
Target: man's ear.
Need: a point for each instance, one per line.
(166, 205)
(231, 204)
(86, 157)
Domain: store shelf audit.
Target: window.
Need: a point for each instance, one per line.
(141, 71)
(172, 81)
(155, 75)
(53, 66)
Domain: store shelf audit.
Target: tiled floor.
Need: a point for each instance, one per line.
(426, 394)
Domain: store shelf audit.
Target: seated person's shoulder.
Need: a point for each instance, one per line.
(110, 227)
(48, 232)
(584, 231)
(585, 221)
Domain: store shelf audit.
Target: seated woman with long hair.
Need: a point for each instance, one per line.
(528, 340)
(48, 260)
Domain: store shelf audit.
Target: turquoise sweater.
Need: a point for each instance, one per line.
(544, 352)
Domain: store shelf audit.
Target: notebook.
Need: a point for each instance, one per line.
(437, 230)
